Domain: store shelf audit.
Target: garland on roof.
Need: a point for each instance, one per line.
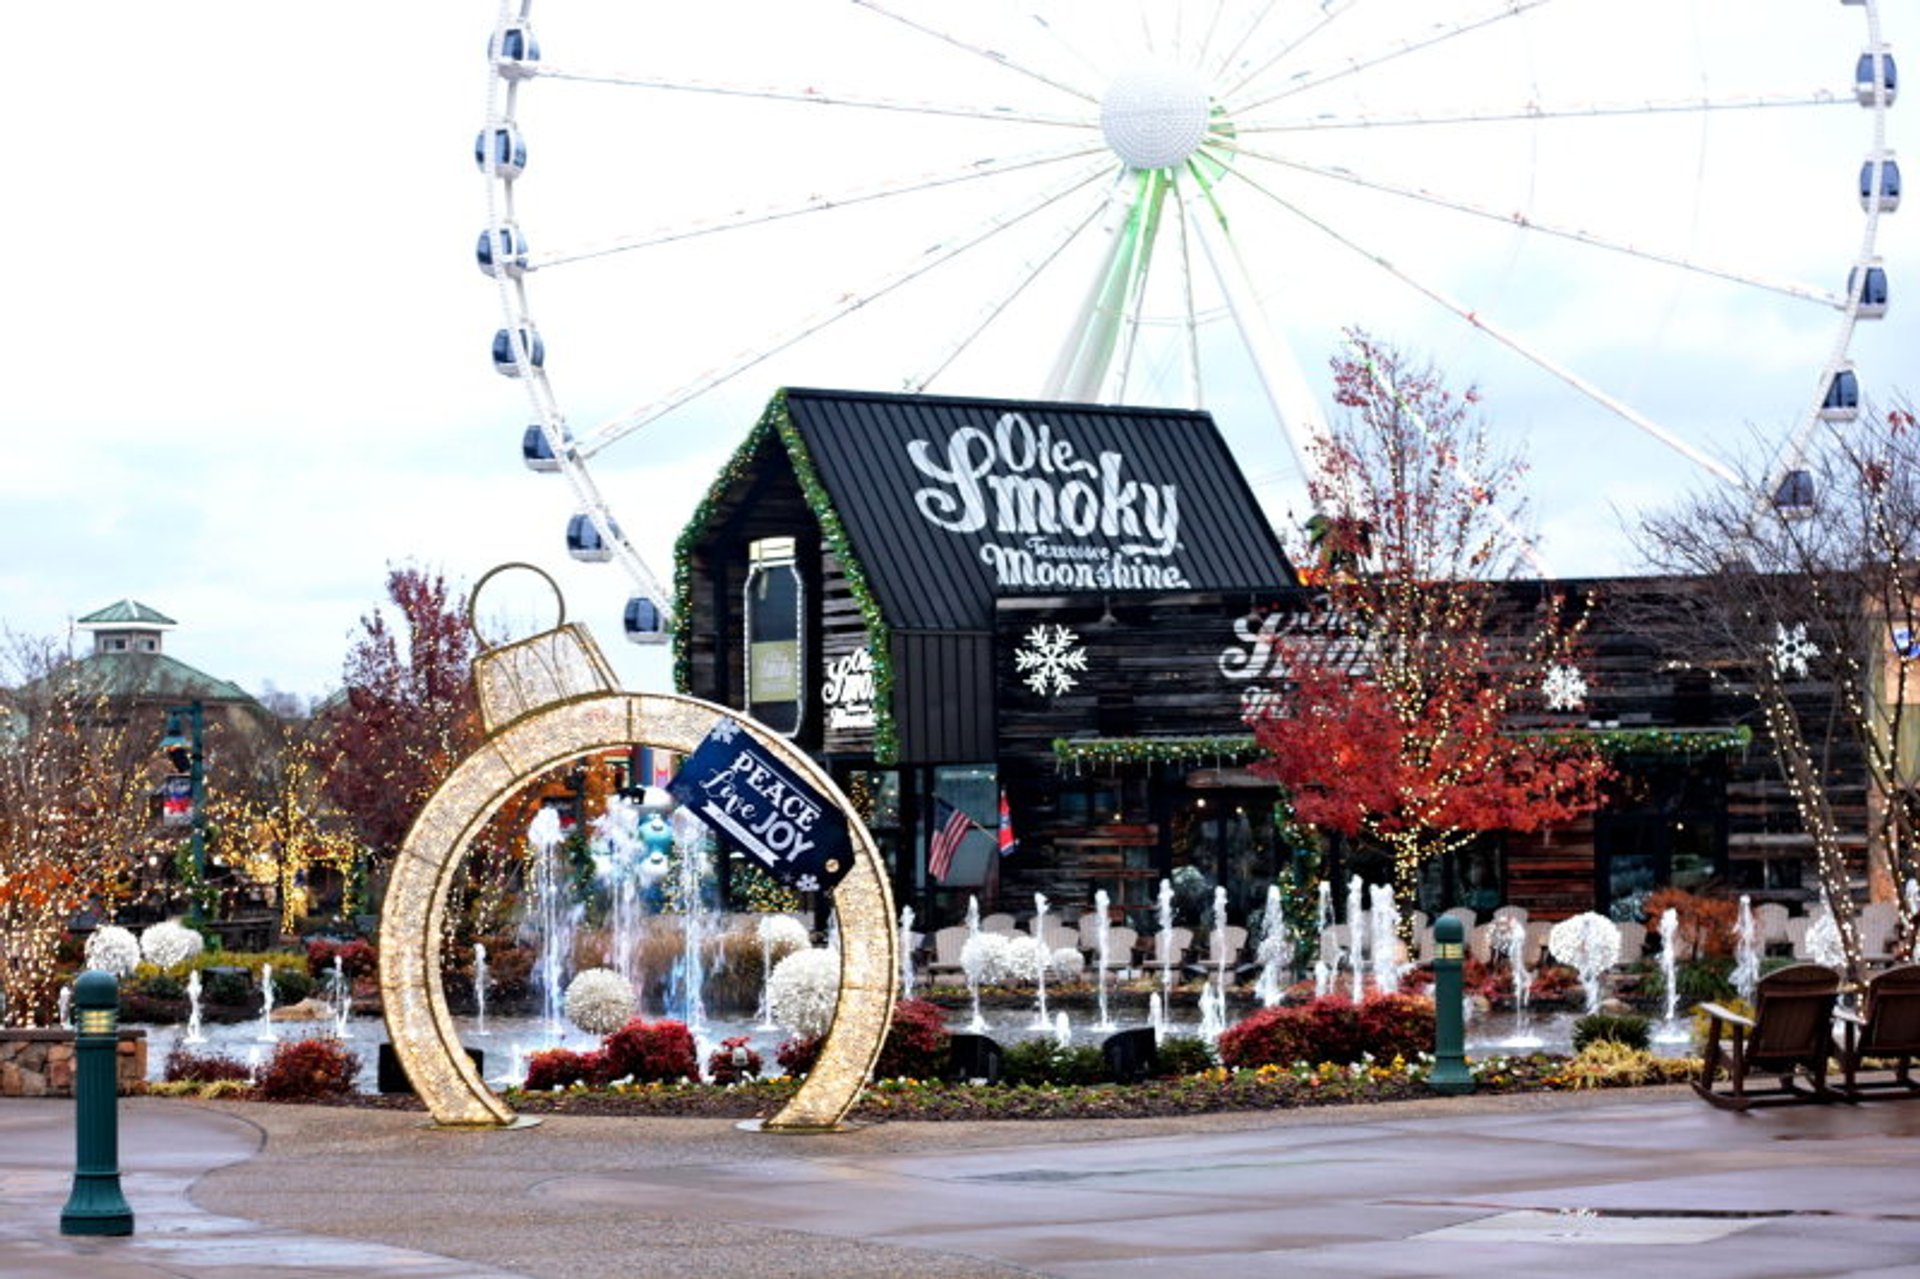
(778, 420)
(1652, 741)
(1233, 749)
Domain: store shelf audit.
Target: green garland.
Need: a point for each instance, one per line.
(778, 420)
(1234, 749)
(1651, 741)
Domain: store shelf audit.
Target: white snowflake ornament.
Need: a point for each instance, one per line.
(1049, 657)
(1792, 651)
(1565, 688)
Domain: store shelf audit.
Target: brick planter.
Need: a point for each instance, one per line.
(39, 1063)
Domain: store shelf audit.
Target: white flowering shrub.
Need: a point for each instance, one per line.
(803, 989)
(169, 945)
(1025, 955)
(1824, 946)
(599, 1001)
(113, 949)
(782, 934)
(1588, 943)
(983, 957)
(1066, 964)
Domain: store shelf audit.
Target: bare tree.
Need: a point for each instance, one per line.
(1808, 598)
(74, 822)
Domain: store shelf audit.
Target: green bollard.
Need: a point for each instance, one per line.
(96, 1206)
(1450, 1074)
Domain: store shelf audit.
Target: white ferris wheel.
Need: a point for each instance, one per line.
(1648, 229)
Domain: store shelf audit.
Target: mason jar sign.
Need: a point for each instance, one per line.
(776, 695)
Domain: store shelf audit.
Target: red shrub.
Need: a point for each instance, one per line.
(917, 1043)
(562, 1068)
(651, 1051)
(357, 957)
(797, 1056)
(1703, 925)
(185, 1065)
(1330, 1030)
(733, 1062)
(308, 1069)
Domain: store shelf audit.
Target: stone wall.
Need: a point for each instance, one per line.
(39, 1063)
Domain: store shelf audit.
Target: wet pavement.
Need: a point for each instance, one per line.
(1652, 1181)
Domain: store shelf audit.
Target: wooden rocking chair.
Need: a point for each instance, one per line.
(1887, 1027)
(1791, 1029)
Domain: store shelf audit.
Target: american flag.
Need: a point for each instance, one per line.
(953, 825)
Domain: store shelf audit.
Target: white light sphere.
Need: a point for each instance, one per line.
(1154, 116)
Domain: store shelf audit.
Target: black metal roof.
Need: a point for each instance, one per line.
(950, 503)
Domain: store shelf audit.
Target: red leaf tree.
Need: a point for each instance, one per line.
(1412, 746)
(407, 714)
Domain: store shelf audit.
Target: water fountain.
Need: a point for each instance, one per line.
(1045, 957)
(690, 838)
(341, 990)
(1510, 935)
(1357, 935)
(194, 1034)
(479, 988)
(1324, 965)
(66, 1006)
(615, 849)
(1274, 953)
(1384, 941)
(1163, 943)
(266, 1033)
(906, 952)
(1670, 1029)
(550, 919)
(1062, 1030)
(1157, 1016)
(1746, 952)
(1103, 944)
(1223, 958)
(1213, 1013)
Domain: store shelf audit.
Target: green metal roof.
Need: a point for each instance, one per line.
(127, 612)
(144, 676)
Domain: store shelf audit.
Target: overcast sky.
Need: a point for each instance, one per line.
(247, 344)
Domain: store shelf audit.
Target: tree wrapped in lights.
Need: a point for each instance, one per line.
(1409, 744)
(1812, 608)
(74, 790)
(278, 832)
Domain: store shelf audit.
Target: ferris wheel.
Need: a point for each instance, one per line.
(1648, 229)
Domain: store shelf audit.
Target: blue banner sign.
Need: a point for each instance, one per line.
(754, 801)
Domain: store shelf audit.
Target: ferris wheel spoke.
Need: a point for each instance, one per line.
(1336, 173)
(1029, 271)
(1289, 45)
(980, 51)
(1404, 48)
(1533, 112)
(1086, 357)
(809, 95)
(1189, 314)
(622, 427)
(1511, 341)
(1161, 184)
(986, 168)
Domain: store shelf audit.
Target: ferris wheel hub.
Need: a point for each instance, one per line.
(1155, 115)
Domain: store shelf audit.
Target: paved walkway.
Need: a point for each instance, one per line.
(1647, 1182)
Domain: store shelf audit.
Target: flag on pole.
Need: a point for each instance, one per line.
(951, 826)
(1007, 842)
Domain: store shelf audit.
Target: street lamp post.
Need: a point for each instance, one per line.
(185, 750)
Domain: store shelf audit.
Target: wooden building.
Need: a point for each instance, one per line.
(1002, 621)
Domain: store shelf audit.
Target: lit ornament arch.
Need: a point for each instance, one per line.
(546, 700)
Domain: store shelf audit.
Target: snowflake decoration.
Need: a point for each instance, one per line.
(1565, 688)
(1792, 651)
(807, 884)
(1050, 655)
(726, 730)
